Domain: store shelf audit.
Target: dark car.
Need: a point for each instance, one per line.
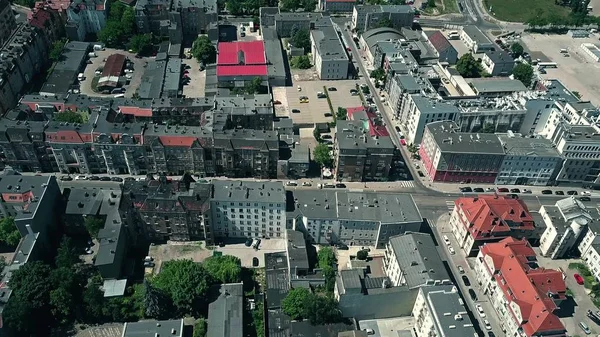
(547, 192)
(502, 189)
(466, 189)
(327, 114)
(326, 136)
(94, 178)
(572, 192)
(342, 246)
(129, 179)
(255, 261)
(397, 128)
(117, 179)
(466, 280)
(473, 295)
(515, 190)
(585, 198)
(559, 192)
(66, 178)
(491, 334)
(248, 242)
(332, 89)
(478, 189)
(340, 185)
(420, 174)
(512, 196)
(104, 178)
(296, 111)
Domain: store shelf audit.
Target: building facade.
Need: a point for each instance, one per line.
(329, 54)
(475, 40)
(365, 17)
(7, 21)
(497, 63)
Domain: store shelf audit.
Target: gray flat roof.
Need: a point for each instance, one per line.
(296, 250)
(418, 258)
(327, 42)
(530, 147)
(476, 35)
(427, 105)
(114, 288)
(172, 75)
(449, 140)
(153, 328)
(448, 311)
(497, 84)
(225, 314)
(409, 83)
(263, 191)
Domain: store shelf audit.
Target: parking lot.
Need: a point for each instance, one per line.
(197, 83)
(197, 252)
(577, 72)
(314, 111)
(98, 63)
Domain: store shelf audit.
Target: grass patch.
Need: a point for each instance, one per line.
(570, 292)
(183, 249)
(521, 11)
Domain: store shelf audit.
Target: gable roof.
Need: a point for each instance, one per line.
(439, 42)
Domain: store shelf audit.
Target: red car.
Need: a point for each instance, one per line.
(578, 279)
(403, 142)
(502, 189)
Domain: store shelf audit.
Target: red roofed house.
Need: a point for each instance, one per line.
(490, 218)
(445, 50)
(113, 68)
(241, 61)
(523, 294)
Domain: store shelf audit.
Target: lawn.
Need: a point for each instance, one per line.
(521, 11)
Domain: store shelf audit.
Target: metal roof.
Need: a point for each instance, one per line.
(418, 259)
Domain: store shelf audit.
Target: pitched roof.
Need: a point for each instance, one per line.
(114, 65)
(241, 58)
(491, 216)
(439, 42)
(532, 288)
(177, 140)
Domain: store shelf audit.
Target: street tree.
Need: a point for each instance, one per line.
(321, 155)
(185, 282)
(341, 114)
(223, 269)
(516, 49)
(468, 66)
(203, 50)
(362, 254)
(524, 73)
(9, 233)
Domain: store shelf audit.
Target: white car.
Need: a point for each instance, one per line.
(446, 240)
(586, 193)
(487, 324)
(306, 183)
(480, 310)
(461, 270)
(291, 183)
(80, 178)
(451, 250)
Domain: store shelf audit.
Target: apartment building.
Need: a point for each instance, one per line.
(412, 259)
(475, 40)
(446, 52)
(476, 221)
(365, 17)
(400, 87)
(150, 13)
(524, 295)
(497, 62)
(440, 311)
(452, 156)
(360, 156)
(591, 258)
(195, 15)
(7, 21)
(353, 218)
(248, 209)
(225, 313)
(169, 210)
(86, 17)
(417, 111)
(567, 222)
(496, 87)
(336, 6)
(579, 146)
(329, 54)
(528, 161)
(286, 23)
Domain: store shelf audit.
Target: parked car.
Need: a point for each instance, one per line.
(256, 244)
(491, 334)
(248, 242)
(446, 240)
(585, 328)
(489, 189)
(572, 192)
(104, 178)
(585, 199)
(129, 179)
(332, 89)
(480, 310)
(478, 189)
(82, 177)
(296, 111)
(291, 183)
(578, 279)
(526, 191)
(487, 324)
(340, 185)
(66, 178)
(327, 114)
(546, 191)
(306, 183)
(512, 196)
(466, 189)
(466, 280)
(326, 136)
(473, 295)
(559, 192)
(451, 250)
(461, 269)
(503, 189)
(94, 178)
(117, 179)
(515, 190)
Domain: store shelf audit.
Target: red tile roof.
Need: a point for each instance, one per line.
(67, 136)
(535, 290)
(177, 141)
(374, 125)
(439, 41)
(491, 216)
(245, 58)
(135, 111)
(114, 65)
(39, 17)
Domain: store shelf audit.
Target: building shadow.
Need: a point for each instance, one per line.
(567, 308)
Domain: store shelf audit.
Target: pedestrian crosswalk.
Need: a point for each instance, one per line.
(406, 183)
(450, 205)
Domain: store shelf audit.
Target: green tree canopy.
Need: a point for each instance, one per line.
(301, 39)
(468, 66)
(516, 49)
(254, 86)
(296, 302)
(9, 233)
(294, 5)
(156, 304)
(524, 73)
(341, 114)
(66, 255)
(362, 254)
(120, 26)
(200, 328)
(185, 282)
(223, 269)
(57, 49)
(203, 50)
(321, 155)
(326, 257)
(300, 62)
(384, 23)
(488, 128)
(93, 225)
(141, 43)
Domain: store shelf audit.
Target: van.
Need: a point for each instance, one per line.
(98, 47)
(92, 54)
(564, 51)
(585, 328)
(119, 95)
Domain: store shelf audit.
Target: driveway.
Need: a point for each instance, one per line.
(197, 84)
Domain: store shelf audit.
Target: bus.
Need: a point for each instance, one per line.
(548, 64)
